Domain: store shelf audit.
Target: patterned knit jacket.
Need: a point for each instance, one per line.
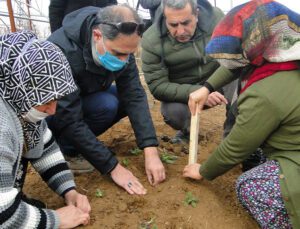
(50, 164)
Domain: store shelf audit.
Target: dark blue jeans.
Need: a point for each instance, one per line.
(101, 110)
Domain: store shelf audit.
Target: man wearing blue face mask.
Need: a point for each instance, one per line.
(99, 45)
(109, 61)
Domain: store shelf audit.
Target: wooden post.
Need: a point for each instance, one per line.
(194, 131)
(28, 4)
(11, 16)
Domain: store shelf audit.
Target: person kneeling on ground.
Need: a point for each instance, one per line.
(99, 44)
(33, 75)
(174, 62)
(266, 40)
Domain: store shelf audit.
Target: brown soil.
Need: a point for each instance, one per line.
(163, 206)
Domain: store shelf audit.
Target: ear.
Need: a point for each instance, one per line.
(197, 15)
(97, 35)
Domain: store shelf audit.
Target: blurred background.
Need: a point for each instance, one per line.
(33, 14)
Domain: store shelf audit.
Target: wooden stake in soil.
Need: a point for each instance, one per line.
(194, 130)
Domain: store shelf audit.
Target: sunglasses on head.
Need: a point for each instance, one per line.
(127, 27)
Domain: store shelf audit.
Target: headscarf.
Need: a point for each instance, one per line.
(256, 32)
(32, 73)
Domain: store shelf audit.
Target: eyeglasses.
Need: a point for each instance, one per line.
(127, 27)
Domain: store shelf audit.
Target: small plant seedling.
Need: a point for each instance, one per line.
(135, 151)
(190, 200)
(99, 193)
(168, 158)
(125, 162)
(149, 224)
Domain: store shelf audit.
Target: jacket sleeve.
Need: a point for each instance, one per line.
(134, 100)
(56, 13)
(150, 4)
(257, 119)
(112, 2)
(157, 77)
(221, 77)
(15, 213)
(52, 166)
(70, 125)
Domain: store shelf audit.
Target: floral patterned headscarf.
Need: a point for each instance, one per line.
(256, 32)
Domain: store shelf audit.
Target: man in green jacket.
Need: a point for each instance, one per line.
(174, 62)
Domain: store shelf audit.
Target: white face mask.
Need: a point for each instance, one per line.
(33, 115)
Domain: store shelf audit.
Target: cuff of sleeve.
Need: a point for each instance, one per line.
(149, 143)
(67, 190)
(209, 87)
(109, 166)
(211, 169)
(49, 219)
(204, 173)
(56, 219)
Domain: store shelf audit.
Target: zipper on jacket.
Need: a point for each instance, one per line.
(199, 56)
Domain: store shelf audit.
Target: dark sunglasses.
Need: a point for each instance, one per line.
(127, 27)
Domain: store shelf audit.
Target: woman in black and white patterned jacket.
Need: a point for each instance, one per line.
(33, 75)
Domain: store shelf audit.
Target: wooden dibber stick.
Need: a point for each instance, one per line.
(194, 130)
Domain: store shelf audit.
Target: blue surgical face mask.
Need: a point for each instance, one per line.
(109, 61)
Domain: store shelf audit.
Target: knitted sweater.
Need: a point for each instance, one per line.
(49, 163)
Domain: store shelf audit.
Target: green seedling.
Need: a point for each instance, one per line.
(125, 162)
(190, 200)
(168, 158)
(99, 193)
(149, 224)
(135, 151)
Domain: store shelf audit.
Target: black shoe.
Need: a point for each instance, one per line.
(180, 138)
(254, 160)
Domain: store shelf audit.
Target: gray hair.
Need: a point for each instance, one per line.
(112, 14)
(179, 4)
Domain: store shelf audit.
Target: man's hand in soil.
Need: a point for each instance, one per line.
(78, 200)
(124, 178)
(154, 167)
(192, 171)
(71, 216)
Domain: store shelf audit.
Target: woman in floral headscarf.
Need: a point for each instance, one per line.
(259, 41)
(33, 75)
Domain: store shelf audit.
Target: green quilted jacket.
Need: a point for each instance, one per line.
(172, 69)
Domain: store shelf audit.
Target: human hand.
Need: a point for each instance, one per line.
(192, 171)
(78, 200)
(154, 167)
(71, 216)
(198, 98)
(215, 98)
(124, 178)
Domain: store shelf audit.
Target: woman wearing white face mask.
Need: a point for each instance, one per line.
(34, 115)
(33, 75)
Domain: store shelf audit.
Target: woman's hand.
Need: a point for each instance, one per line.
(78, 200)
(192, 171)
(71, 216)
